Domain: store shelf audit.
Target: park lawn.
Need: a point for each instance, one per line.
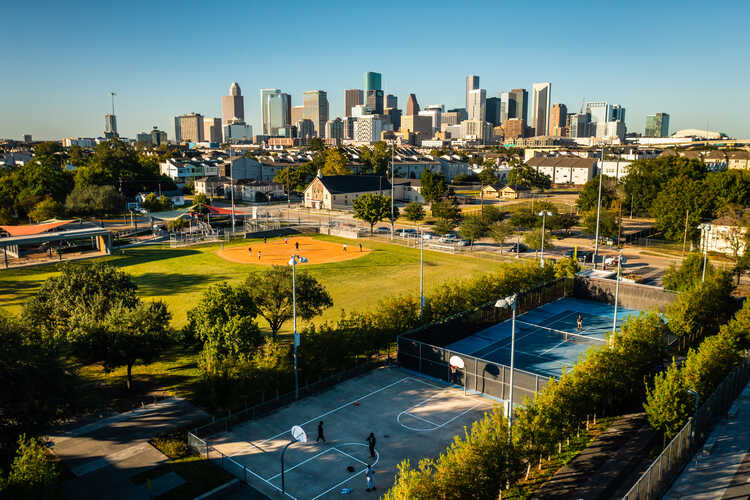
(179, 276)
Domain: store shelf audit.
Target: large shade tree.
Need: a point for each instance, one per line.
(373, 208)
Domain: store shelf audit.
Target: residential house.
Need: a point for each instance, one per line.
(564, 169)
(339, 191)
(738, 160)
(514, 192)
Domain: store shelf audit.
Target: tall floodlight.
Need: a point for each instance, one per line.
(544, 214)
(293, 261)
(510, 301)
(598, 206)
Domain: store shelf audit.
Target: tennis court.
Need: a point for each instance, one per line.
(546, 337)
(410, 416)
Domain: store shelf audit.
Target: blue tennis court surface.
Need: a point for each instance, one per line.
(547, 337)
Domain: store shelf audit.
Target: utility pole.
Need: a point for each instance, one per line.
(393, 222)
(231, 182)
(684, 238)
(598, 207)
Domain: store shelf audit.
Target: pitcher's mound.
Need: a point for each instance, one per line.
(278, 251)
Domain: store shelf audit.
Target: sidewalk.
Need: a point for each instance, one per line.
(721, 470)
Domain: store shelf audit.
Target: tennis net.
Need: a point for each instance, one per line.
(576, 338)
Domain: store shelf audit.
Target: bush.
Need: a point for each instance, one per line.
(32, 474)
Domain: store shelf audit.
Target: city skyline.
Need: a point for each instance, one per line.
(152, 91)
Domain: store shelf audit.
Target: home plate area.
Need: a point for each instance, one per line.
(410, 417)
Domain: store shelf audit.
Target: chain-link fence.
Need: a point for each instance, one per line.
(657, 480)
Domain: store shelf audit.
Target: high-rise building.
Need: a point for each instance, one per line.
(212, 129)
(27, 138)
(434, 115)
(353, 97)
(476, 130)
(298, 113)
(514, 128)
(558, 120)
(233, 105)
(492, 108)
(450, 118)
(188, 128)
(579, 125)
(393, 116)
(617, 113)
(158, 137)
(412, 106)
(540, 108)
(375, 101)
(518, 104)
(657, 125)
(110, 126)
(391, 101)
(265, 96)
(476, 104)
(599, 111)
(472, 83)
(349, 126)
(277, 113)
(305, 130)
(335, 130)
(238, 131)
(417, 124)
(316, 109)
(288, 117)
(373, 81)
(504, 96)
(463, 115)
(367, 129)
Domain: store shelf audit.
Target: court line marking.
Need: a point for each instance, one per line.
(267, 482)
(332, 448)
(377, 459)
(423, 402)
(422, 419)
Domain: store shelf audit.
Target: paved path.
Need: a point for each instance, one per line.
(104, 455)
(721, 470)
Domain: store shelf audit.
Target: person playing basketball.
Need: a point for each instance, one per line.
(580, 322)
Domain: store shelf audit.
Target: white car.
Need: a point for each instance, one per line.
(612, 260)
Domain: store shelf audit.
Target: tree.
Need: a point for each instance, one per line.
(589, 195)
(79, 290)
(33, 475)
(295, 177)
(563, 221)
(488, 176)
(492, 214)
(376, 160)
(154, 203)
(372, 208)
(524, 175)
(443, 226)
(608, 223)
(271, 291)
(699, 310)
(335, 163)
(524, 218)
(124, 337)
(94, 200)
(224, 321)
(472, 228)
(200, 199)
(414, 211)
(728, 188)
(646, 178)
(681, 195)
(446, 210)
(317, 144)
(688, 274)
(668, 404)
(46, 209)
(434, 186)
(566, 267)
(533, 239)
(501, 231)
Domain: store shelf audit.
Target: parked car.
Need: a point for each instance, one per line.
(407, 233)
(462, 243)
(612, 260)
(449, 238)
(382, 230)
(429, 236)
(518, 248)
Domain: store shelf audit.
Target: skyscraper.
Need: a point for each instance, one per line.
(373, 81)
(518, 104)
(110, 126)
(412, 106)
(599, 111)
(335, 130)
(288, 117)
(617, 113)
(233, 105)
(492, 106)
(298, 113)
(188, 128)
(476, 104)
(657, 125)
(391, 101)
(353, 97)
(265, 96)
(472, 83)
(540, 108)
(212, 129)
(504, 96)
(277, 113)
(375, 101)
(558, 119)
(316, 109)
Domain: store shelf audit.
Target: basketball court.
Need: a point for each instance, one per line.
(411, 417)
(278, 250)
(547, 338)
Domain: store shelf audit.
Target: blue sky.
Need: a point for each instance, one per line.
(59, 61)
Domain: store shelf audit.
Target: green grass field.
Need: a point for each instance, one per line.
(179, 276)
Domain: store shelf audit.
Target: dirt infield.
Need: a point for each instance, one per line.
(278, 250)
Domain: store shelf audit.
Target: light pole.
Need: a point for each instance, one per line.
(544, 214)
(598, 207)
(293, 262)
(231, 182)
(617, 291)
(705, 229)
(510, 302)
(421, 275)
(393, 222)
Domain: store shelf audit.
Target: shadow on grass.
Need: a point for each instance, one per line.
(18, 291)
(158, 284)
(134, 256)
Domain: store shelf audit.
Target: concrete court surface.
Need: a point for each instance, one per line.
(104, 455)
(411, 417)
(721, 470)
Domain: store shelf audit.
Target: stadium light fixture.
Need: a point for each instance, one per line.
(293, 261)
(543, 214)
(506, 302)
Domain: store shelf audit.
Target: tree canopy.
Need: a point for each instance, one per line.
(372, 208)
(589, 195)
(414, 211)
(434, 186)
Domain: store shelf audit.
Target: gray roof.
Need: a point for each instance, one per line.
(339, 184)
